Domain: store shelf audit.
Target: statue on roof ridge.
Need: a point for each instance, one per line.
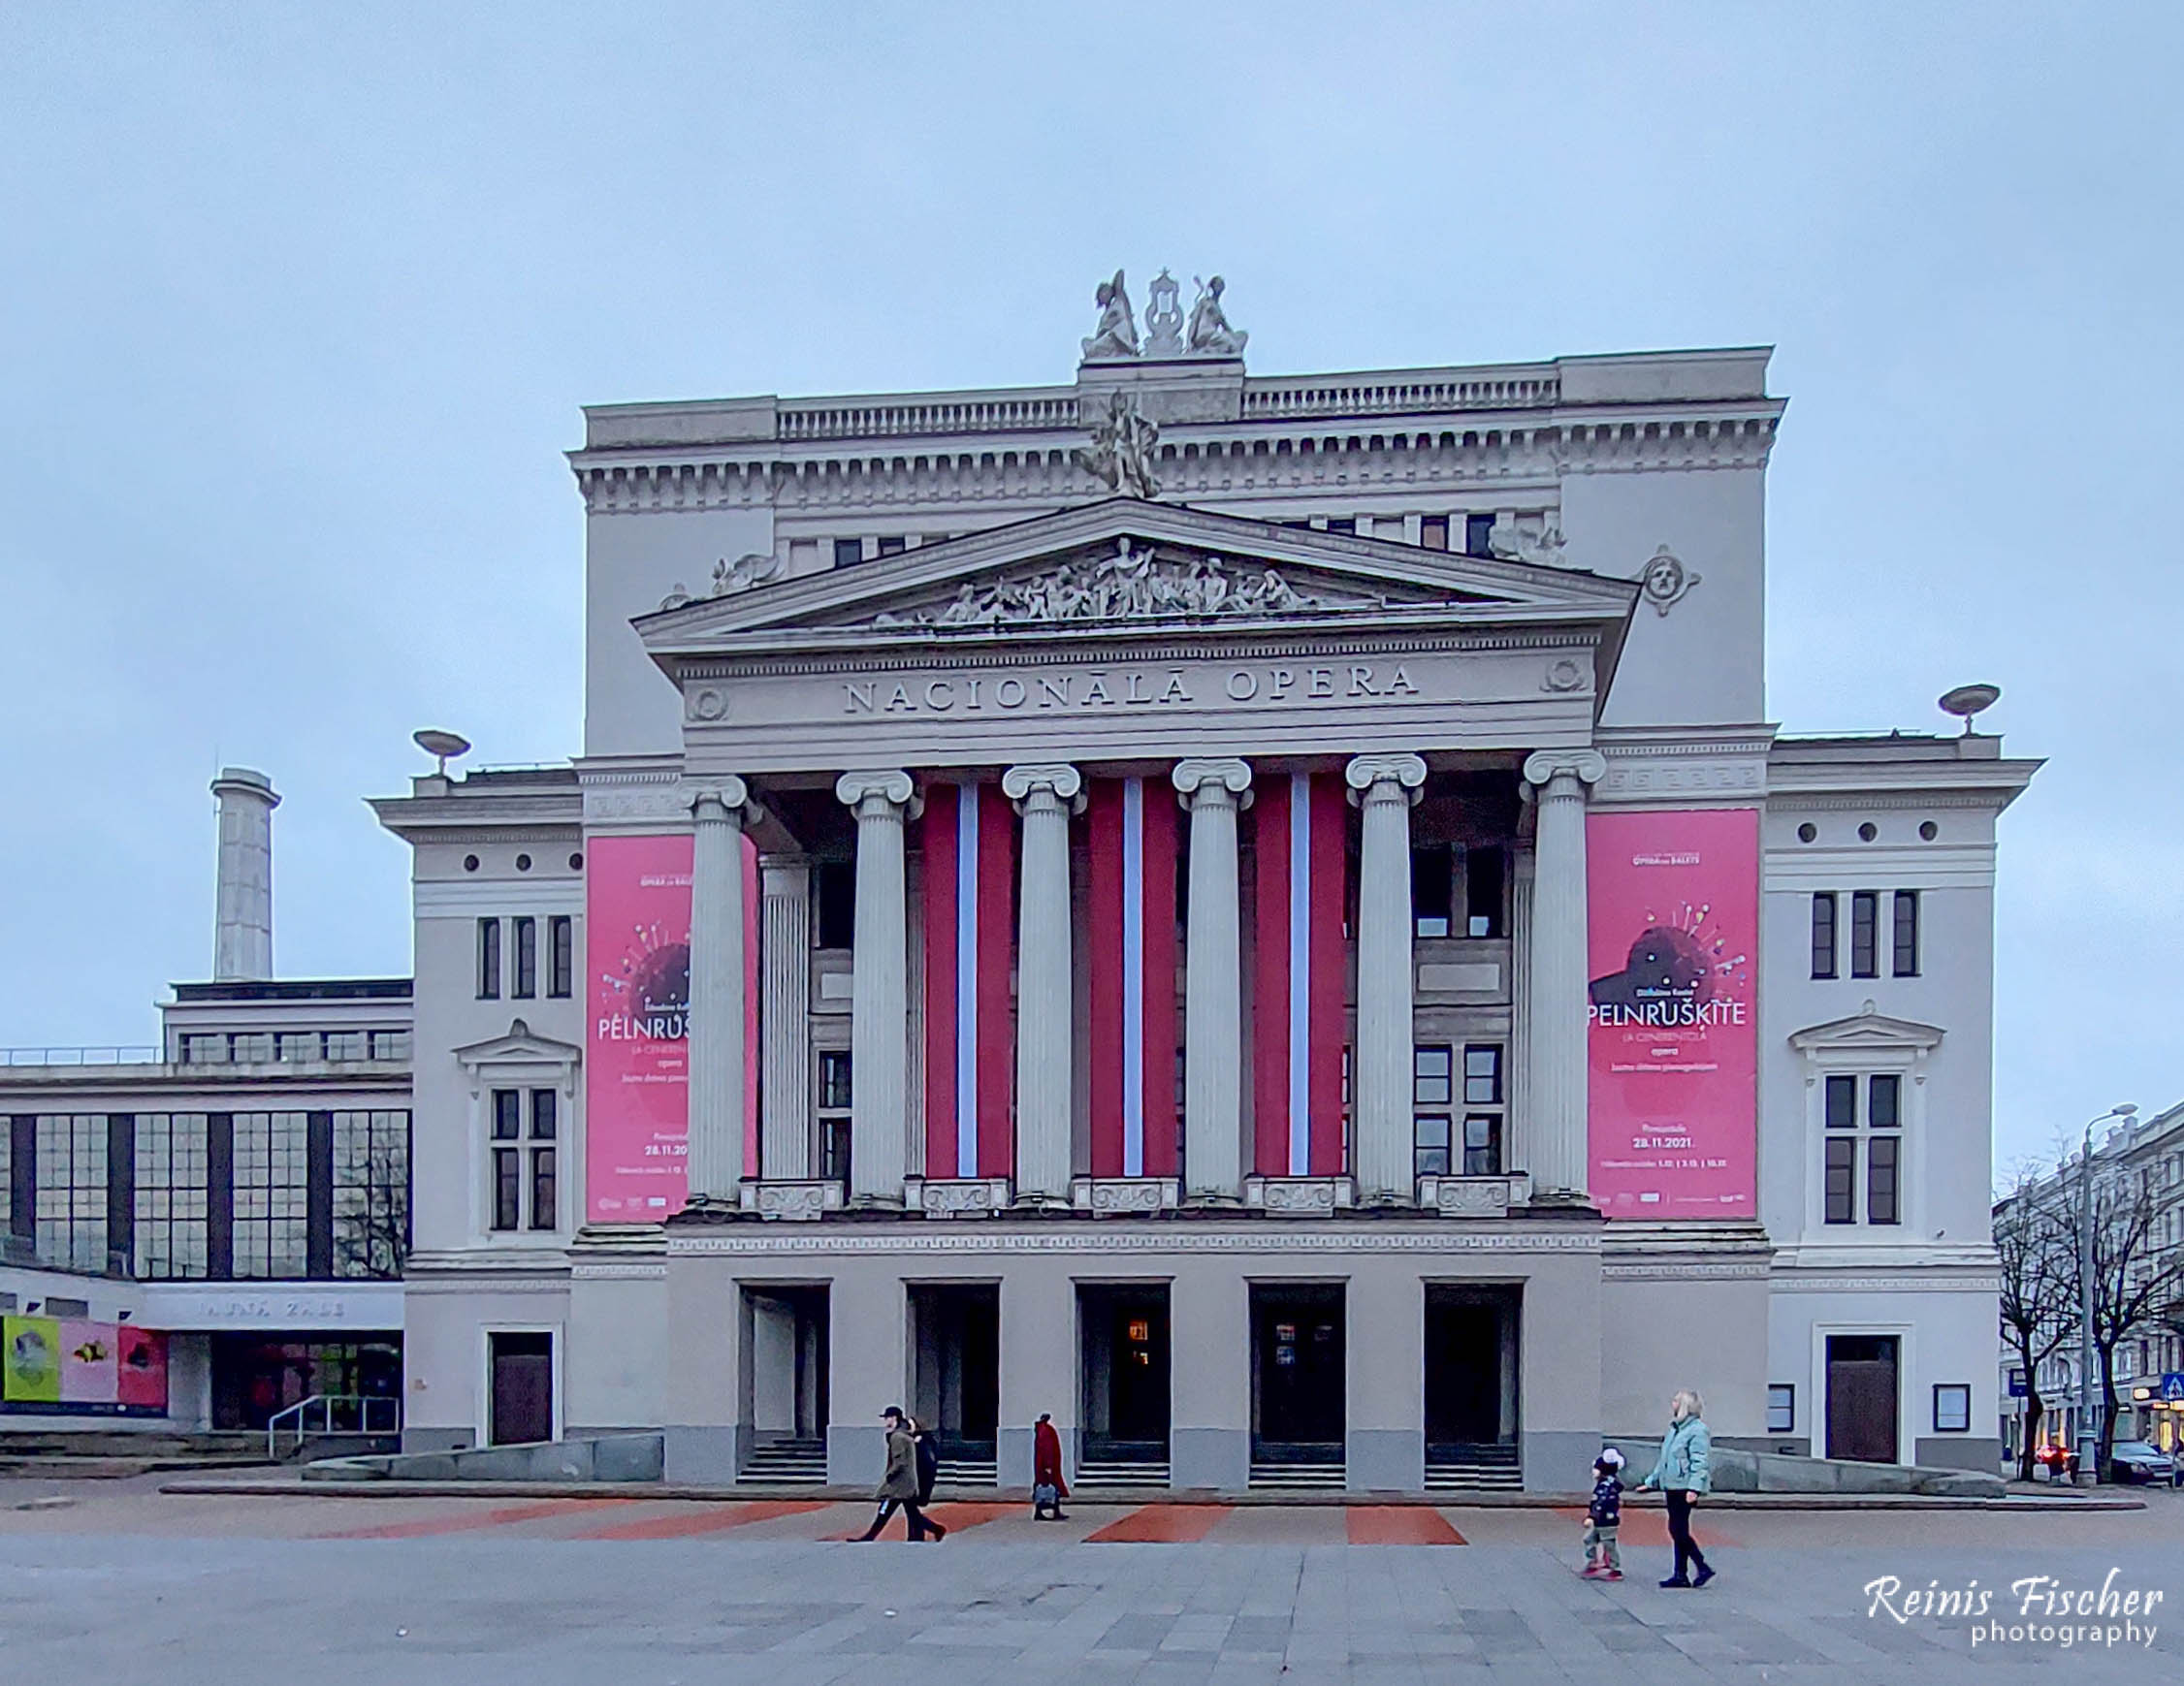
(1210, 335)
(1117, 335)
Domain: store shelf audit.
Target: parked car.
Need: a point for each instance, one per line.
(2139, 1460)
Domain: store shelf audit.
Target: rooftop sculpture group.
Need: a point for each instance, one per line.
(1207, 333)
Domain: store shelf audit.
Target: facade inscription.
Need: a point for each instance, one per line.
(1122, 688)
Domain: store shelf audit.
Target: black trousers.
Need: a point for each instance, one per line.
(1687, 1554)
(914, 1518)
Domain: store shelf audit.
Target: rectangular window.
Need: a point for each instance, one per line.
(1841, 1103)
(1823, 933)
(848, 553)
(271, 1195)
(1904, 949)
(1478, 535)
(390, 1044)
(527, 958)
(1432, 890)
(371, 1194)
(1432, 1075)
(835, 1092)
(1880, 1180)
(342, 1046)
(1433, 532)
(70, 1202)
(834, 1081)
(1341, 523)
(507, 1188)
(835, 902)
(1485, 880)
(1781, 1408)
(542, 1114)
(250, 1047)
(489, 960)
(892, 546)
(545, 1214)
(1482, 1128)
(560, 957)
(1884, 1099)
(507, 1114)
(1482, 1144)
(1865, 913)
(1841, 1174)
(171, 1197)
(1432, 1089)
(1430, 1144)
(1953, 1406)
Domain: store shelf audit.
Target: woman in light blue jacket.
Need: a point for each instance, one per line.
(1682, 1474)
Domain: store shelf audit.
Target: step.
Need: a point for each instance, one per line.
(1316, 1477)
(1097, 1473)
(969, 1472)
(1472, 1479)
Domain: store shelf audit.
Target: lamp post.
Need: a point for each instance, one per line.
(2089, 1437)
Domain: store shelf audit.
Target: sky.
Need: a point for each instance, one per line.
(298, 306)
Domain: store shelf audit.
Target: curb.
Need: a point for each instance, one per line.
(662, 1492)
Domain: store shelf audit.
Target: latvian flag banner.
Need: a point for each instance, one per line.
(1300, 833)
(969, 839)
(1132, 950)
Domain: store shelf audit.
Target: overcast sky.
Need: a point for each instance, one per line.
(298, 304)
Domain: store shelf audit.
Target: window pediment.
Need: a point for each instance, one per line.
(1868, 1032)
(520, 1048)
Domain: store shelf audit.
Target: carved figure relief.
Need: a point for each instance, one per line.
(1133, 584)
(1210, 335)
(1117, 335)
(1513, 543)
(1122, 452)
(1665, 581)
(748, 570)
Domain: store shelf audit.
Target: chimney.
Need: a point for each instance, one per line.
(243, 936)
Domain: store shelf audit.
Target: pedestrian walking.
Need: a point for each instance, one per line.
(1684, 1476)
(1047, 1488)
(898, 1487)
(1603, 1559)
(928, 1463)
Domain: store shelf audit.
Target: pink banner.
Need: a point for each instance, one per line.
(1674, 939)
(636, 1089)
(90, 1364)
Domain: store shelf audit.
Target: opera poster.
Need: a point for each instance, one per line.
(30, 1369)
(637, 1092)
(1673, 1012)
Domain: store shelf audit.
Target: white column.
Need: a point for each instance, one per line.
(1555, 1060)
(878, 987)
(785, 1005)
(719, 809)
(1045, 796)
(1383, 787)
(1215, 792)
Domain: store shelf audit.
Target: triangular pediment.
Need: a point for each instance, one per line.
(521, 1046)
(1868, 1029)
(1123, 568)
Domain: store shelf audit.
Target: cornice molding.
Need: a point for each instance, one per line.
(1110, 1239)
(1784, 1284)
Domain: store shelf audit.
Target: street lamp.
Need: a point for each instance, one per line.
(2089, 1437)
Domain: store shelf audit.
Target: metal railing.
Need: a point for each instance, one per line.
(104, 1054)
(319, 1414)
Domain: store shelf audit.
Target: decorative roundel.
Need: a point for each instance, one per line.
(470, 863)
(1868, 831)
(1665, 579)
(523, 863)
(1928, 830)
(1807, 832)
(576, 862)
(708, 705)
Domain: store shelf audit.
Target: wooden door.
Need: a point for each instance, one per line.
(1862, 1398)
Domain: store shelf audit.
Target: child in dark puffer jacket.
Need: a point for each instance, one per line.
(1603, 1560)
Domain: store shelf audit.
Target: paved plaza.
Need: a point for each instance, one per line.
(109, 1582)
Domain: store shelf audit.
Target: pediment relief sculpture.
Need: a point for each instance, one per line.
(1132, 583)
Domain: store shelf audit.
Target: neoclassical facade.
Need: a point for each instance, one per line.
(1263, 917)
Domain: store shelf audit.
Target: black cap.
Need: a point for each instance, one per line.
(892, 1410)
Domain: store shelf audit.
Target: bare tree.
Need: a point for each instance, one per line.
(2134, 1279)
(2038, 1294)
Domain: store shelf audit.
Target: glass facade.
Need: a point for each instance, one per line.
(271, 1194)
(70, 1202)
(173, 1178)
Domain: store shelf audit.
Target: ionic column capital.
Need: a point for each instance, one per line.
(1205, 778)
(890, 786)
(1056, 778)
(1543, 767)
(1365, 774)
(720, 796)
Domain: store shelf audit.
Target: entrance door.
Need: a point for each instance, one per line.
(522, 1389)
(1298, 1359)
(786, 1367)
(956, 1380)
(1861, 1397)
(1125, 1366)
(1470, 1370)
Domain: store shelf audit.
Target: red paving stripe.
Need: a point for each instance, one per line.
(1400, 1525)
(703, 1519)
(464, 1522)
(1162, 1524)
